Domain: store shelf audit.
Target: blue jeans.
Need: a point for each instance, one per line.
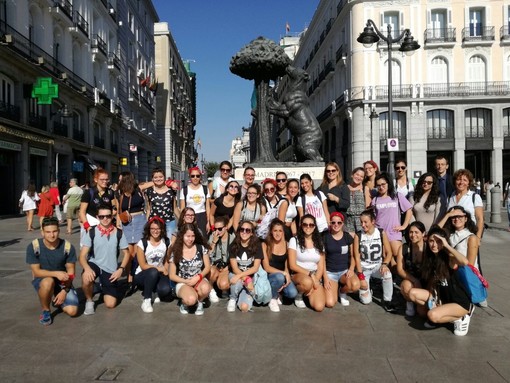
(151, 280)
(240, 294)
(277, 280)
(171, 227)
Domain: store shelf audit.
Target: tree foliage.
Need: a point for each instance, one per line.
(210, 168)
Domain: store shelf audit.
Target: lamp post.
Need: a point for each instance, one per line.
(373, 115)
(371, 35)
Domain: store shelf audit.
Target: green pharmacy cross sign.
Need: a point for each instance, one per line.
(45, 91)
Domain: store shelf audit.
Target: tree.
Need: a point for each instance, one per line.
(261, 60)
(210, 168)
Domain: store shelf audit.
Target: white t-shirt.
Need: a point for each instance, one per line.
(195, 198)
(466, 202)
(154, 255)
(217, 182)
(305, 258)
(313, 206)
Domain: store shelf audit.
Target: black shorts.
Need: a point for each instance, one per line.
(108, 287)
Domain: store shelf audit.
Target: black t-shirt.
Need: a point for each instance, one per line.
(222, 210)
(136, 204)
(94, 199)
(337, 252)
(244, 260)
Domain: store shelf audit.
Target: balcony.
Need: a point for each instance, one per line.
(38, 122)
(99, 45)
(59, 129)
(9, 112)
(399, 91)
(80, 27)
(78, 135)
(467, 89)
(504, 34)
(62, 10)
(435, 37)
(99, 142)
(478, 34)
(114, 62)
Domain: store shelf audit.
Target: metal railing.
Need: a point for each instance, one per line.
(60, 129)
(440, 35)
(99, 43)
(78, 135)
(37, 121)
(478, 33)
(66, 7)
(81, 23)
(10, 112)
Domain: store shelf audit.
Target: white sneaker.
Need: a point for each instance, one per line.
(279, 301)
(343, 300)
(200, 309)
(183, 309)
(157, 299)
(89, 308)
(273, 306)
(213, 297)
(410, 310)
(299, 302)
(483, 303)
(231, 305)
(147, 306)
(461, 326)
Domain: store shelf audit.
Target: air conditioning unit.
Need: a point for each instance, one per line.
(63, 76)
(40, 60)
(7, 39)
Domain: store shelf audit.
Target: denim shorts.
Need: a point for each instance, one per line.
(335, 276)
(71, 297)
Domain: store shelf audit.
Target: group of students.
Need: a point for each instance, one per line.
(316, 245)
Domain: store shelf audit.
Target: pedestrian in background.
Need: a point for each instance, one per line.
(28, 202)
(55, 195)
(46, 204)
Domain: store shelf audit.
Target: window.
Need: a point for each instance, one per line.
(439, 70)
(438, 23)
(476, 69)
(478, 123)
(6, 90)
(476, 21)
(506, 122)
(440, 124)
(391, 18)
(399, 125)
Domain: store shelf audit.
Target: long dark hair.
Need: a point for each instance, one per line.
(316, 235)
(470, 224)
(270, 239)
(236, 247)
(435, 268)
(433, 196)
(237, 197)
(161, 225)
(391, 188)
(179, 241)
(298, 185)
(127, 184)
(31, 188)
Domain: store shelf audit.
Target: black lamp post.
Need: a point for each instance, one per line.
(373, 115)
(371, 35)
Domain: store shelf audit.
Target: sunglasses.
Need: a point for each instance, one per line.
(337, 222)
(269, 190)
(428, 182)
(106, 216)
(308, 225)
(457, 217)
(195, 176)
(281, 180)
(219, 228)
(233, 187)
(330, 170)
(246, 230)
(225, 170)
(400, 168)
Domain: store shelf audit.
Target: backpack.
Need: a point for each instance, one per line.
(475, 285)
(37, 247)
(262, 287)
(185, 192)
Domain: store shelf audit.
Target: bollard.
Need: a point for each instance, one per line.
(488, 200)
(496, 205)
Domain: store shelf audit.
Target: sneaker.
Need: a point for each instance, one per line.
(483, 303)
(343, 300)
(200, 309)
(273, 306)
(147, 306)
(213, 297)
(461, 326)
(89, 308)
(183, 309)
(299, 302)
(410, 310)
(45, 318)
(279, 301)
(428, 324)
(389, 307)
(157, 299)
(231, 305)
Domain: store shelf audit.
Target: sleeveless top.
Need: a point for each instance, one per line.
(371, 249)
(250, 215)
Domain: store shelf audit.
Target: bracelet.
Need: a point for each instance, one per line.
(122, 267)
(385, 264)
(361, 276)
(201, 277)
(86, 226)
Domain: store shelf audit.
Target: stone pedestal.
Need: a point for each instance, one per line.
(292, 169)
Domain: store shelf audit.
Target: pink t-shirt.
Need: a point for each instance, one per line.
(387, 214)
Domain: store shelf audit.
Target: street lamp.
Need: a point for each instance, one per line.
(373, 115)
(371, 35)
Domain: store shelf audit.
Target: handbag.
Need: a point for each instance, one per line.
(124, 216)
(262, 290)
(475, 284)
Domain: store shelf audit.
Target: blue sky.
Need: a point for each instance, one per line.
(210, 33)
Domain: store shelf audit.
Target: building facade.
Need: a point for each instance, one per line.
(450, 97)
(176, 114)
(83, 48)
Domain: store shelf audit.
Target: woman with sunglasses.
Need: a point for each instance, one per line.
(314, 202)
(276, 266)
(281, 183)
(445, 296)
(219, 240)
(402, 184)
(334, 188)
(224, 205)
(389, 206)
(409, 263)
(356, 201)
(371, 171)
(426, 200)
(271, 197)
(218, 186)
(287, 212)
(250, 208)
(196, 196)
(189, 265)
(151, 275)
(306, 262)
(245, 254)
(340, 263)
(372, 254)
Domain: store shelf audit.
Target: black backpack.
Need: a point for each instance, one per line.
(92, 234)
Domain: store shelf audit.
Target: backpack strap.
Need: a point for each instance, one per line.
(145, 243)
(185, 193)
(67, 247)
(37, 247)
(205, 191)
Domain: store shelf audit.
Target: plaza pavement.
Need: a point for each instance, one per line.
(356, 343)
